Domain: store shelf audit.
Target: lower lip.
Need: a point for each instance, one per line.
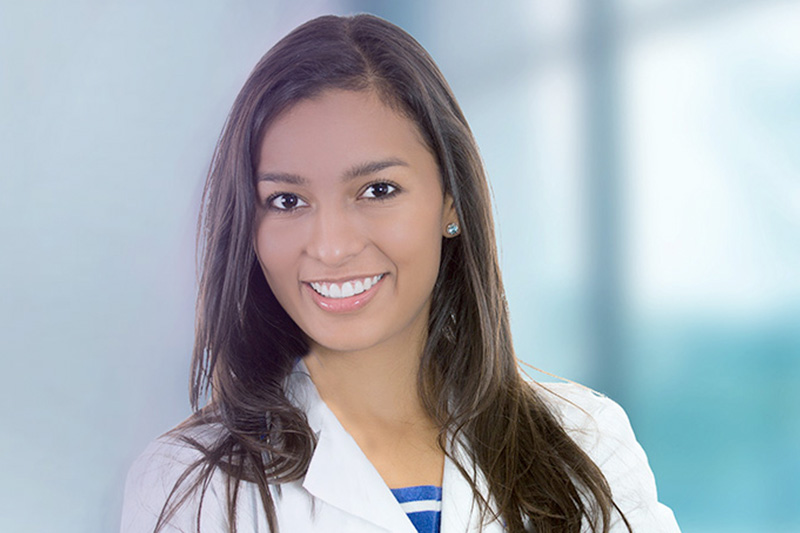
(345, 305)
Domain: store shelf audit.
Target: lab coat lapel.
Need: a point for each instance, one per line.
(460, 511)
(339, 473)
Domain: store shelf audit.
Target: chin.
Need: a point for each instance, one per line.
(344, 341)
(342, 345)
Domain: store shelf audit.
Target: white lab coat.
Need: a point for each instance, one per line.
(342, 491)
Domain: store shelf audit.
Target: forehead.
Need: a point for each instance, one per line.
(336, 130)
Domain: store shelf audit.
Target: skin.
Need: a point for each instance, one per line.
(347, 190)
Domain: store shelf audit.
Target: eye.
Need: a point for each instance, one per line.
(379, 190)
(285, 201)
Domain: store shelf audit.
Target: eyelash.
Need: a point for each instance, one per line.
(270, 199)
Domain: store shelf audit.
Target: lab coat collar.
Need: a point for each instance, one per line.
(341, 475)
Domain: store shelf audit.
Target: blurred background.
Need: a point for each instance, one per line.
(645, 165)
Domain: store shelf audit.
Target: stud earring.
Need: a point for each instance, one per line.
(452, 229)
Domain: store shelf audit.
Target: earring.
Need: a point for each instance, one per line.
(452, 229)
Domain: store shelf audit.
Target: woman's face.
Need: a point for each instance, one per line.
(351, 220)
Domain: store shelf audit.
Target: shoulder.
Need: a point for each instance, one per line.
(163, 472)
(590, 418)
(602, 429)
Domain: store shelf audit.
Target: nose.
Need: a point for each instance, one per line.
(335, 236)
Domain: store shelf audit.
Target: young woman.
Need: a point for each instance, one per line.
(352, 330)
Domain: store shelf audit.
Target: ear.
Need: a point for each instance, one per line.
(450, 224)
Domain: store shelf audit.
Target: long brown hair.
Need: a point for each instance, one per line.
(469, 381)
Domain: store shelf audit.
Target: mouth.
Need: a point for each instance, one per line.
(345, 296)
(345, 289)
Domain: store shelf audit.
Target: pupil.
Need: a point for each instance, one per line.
(289, 201)
(379, 189)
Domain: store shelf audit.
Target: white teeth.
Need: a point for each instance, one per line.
(346, 289)
(320, 288)
(336, 292)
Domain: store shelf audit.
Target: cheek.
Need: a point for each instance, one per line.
(275, 253)
(416, 242)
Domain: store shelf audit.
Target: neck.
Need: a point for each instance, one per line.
(375, 397)
(373, 386)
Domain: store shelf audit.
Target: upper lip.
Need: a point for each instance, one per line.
(342, 279)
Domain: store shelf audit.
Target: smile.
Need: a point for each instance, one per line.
(346, 289)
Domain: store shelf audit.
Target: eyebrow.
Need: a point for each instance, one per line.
(356, 171)
(371, 167)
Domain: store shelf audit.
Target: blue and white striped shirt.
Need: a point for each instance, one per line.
(423, 505)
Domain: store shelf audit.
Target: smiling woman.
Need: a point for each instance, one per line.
(352, 327)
